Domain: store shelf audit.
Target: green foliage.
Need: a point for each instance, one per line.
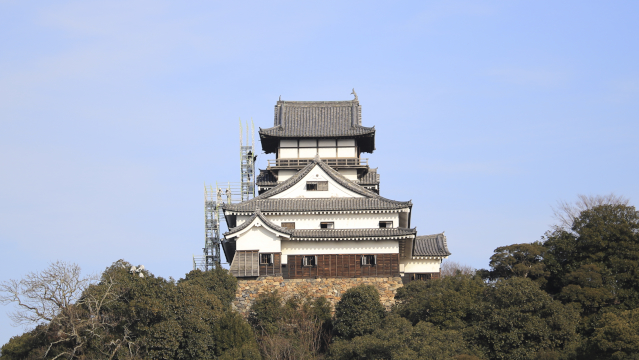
(217, 281)
(24, 347)
(449, 303)
(359, 312)
(517, 320)
(397, 338)
(596, 265)
(266, 311)
(616, 336)
(521, 260)
(151, 318)
(297, 329)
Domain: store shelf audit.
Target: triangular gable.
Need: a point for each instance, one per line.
(302, 174)
(257, 219)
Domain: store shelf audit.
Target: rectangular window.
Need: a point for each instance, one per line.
(385, 224)
(266, 259)
(421, 277)
(327, 225)
(369, 259)
(317, 186)
(310, 260)
(288, 225)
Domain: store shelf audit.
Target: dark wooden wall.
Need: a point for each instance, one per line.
(274, 269)
(336, 265)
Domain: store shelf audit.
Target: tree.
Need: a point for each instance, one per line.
(359, 312)
(397, 338)
(450, 268)
(522, 260)
(448, 303)
(616, 336)
(566, 213)
(297, 329)
(596, 264)
(55, 299)
(517, 320)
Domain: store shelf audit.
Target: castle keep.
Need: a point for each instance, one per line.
(319, 212)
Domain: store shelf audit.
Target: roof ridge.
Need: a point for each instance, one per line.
(265, 220)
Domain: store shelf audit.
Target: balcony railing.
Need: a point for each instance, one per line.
(333, 162)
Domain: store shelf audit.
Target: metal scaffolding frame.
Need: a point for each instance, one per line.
(228, 192)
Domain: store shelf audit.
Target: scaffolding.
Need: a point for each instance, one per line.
(229, 193)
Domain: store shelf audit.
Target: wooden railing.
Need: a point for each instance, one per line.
(334, 162)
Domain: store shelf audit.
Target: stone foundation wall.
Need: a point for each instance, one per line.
(331, 288)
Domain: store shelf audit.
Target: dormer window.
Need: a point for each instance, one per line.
(317, 186)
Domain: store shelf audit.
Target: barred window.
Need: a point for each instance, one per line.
(309, 260)
(317, 185)
(369, 259)
(266, 259)
(288, 225)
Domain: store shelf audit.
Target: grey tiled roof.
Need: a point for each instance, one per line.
(339, 178)
(355, 234)
(317, 119)
(328, 204)
(265, 178)
(266, 222)
(371, 178)
(431, 245)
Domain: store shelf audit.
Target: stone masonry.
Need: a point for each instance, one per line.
(331, 288)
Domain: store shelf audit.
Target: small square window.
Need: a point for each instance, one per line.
(327, 225)
(385, 224)
(288, 225)
(266, 259)
(310, 260)
(317, 186)
(369, 259)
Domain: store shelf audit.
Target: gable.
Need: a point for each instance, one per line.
(316, 174)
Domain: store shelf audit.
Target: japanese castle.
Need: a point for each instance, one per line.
(319, 212)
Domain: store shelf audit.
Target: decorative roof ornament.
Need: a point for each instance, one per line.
(280, 97)
(354, 93)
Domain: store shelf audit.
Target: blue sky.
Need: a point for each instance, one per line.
(113, 114)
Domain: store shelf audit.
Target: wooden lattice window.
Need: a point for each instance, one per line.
(288, 225)
(317, 186)
(310, 260)
(266, 259)
(369, 259)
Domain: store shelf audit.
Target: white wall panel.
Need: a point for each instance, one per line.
(346, 152)
(345, 142)
(342, 221)
(260, 239)
(288, 143)
(308, 153)
(326, 153)
(288, 153)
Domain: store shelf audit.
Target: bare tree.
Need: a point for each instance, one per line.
(57, 299)
(449, 268)
(566, 212)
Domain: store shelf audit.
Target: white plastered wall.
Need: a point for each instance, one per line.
(420, 266)
(316, 174)
(338, 247)
(283, 175)
(259, 238)
(341, 221)
(350, 174)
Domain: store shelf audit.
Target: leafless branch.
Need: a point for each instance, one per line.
(450, 268)
(566, 212)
